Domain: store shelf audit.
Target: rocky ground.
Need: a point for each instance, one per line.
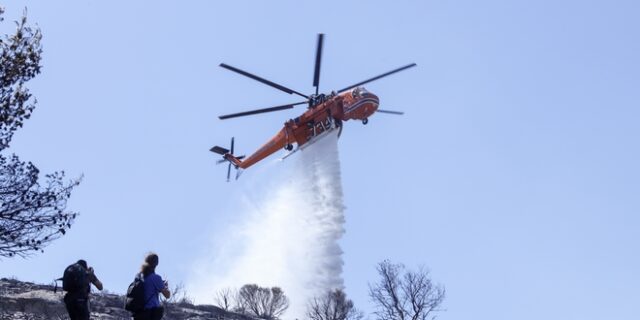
(25, 300)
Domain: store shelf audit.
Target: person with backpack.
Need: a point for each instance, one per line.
(76, 281)
(143, 295)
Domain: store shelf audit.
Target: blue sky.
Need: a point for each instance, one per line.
(513, 175)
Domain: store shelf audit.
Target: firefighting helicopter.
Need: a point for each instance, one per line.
(325, 113)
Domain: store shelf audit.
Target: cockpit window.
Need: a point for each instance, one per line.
(359, 92)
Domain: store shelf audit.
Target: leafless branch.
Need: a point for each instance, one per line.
(224, 299)
(334, 305)
(411, 296)
(32, 211)
(263, 303)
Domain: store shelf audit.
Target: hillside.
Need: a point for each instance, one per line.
(25, 300)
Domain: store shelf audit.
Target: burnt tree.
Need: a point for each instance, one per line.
(404, 295)
(334, 305)
(224, 299)
(263, 303)
(32, 210)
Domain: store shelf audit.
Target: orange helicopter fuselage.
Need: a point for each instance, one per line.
(328, 114)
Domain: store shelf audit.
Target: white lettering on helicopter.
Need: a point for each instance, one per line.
(322, 126)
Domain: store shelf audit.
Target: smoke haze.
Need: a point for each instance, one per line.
(291, 239)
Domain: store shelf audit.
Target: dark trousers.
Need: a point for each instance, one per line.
(77, 307)
(149, 314)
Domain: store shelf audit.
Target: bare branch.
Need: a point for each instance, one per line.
(224, 299)
(334, 305)
(411, 296)
(263, 303)
(32, 211)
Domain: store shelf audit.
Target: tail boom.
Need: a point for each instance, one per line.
(226, 155)
(231, 158)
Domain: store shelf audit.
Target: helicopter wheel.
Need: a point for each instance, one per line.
(365, 121)
(288, 147)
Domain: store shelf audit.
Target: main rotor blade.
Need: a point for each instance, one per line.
(265, 81)
(390, 112)
(378, 77)
(248, 113)
(316, 73)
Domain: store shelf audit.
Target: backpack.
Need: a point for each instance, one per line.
(134, 300)
(75, 278)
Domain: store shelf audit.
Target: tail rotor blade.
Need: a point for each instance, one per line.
(378, 77)
(219, 150)
(231, 145)
(316, 73)
(227, 156)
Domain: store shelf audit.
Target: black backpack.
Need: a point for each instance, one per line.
(75, 278)
(134, 301)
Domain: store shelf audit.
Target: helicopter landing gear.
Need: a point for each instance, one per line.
(365, 121)
(288, 147)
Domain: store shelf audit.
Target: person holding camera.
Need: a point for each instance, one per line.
(77, 281)
(153, 286)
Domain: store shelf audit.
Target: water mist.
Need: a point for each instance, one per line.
(291, 238)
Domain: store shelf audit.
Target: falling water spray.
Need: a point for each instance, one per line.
(291, 239)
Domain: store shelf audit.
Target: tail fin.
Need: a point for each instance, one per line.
(227, 155)
(219, 150)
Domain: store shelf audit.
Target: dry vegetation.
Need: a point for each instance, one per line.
(24, 300)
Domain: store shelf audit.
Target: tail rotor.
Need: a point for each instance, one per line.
(229, 166)
(227, 155)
